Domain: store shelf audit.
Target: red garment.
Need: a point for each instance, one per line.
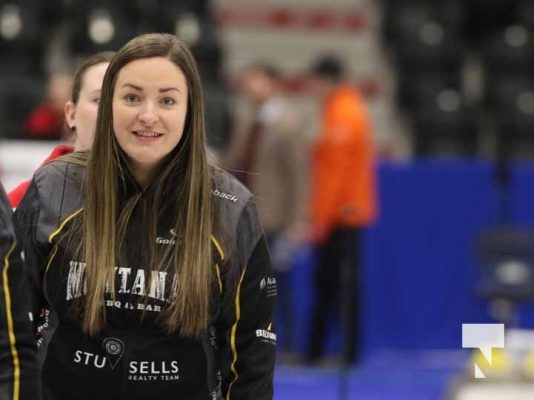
(16, 195)
(343, 176)
(45, 122)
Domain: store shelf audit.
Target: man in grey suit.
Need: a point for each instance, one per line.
(268, 153)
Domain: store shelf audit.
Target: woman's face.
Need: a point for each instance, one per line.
(149, 112)
(83, 114)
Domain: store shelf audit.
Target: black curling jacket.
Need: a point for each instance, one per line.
(132, 358)
(18, 377)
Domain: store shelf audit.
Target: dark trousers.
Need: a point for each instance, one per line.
(337, 288)
(284, 302)
(284, 310)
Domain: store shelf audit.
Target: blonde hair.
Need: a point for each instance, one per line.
(182, 186)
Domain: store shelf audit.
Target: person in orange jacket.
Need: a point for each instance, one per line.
(80, 113)
(343, 202)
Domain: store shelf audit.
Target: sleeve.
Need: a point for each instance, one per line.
(250, 338)
(345, 129)
(242, 120)
(295, 159)
(18, 364)
(26, 221)
(331, 160)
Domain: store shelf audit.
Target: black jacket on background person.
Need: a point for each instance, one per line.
(17, 346)
(132, 358)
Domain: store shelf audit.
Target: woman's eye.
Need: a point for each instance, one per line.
(168, 101)
(131, 98)
(96, 100)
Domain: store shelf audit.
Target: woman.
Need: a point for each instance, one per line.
(82, 109)
(17, 350)
(80, 112)
(152, 261)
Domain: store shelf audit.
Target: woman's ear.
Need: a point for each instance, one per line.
(70, 115)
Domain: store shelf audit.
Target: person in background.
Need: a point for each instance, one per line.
(343, 203)
(82, 109)
(269, 153)
(80, 113)
(18, 364)
(45, 121)
(149, 259)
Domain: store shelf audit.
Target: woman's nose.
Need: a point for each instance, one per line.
(149, 115)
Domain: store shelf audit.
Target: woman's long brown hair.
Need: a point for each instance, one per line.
(182, 185)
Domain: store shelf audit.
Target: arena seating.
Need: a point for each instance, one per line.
(29, 29)
(433, 44)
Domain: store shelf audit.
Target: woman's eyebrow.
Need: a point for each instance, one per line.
(132, 86)
(163, 90)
